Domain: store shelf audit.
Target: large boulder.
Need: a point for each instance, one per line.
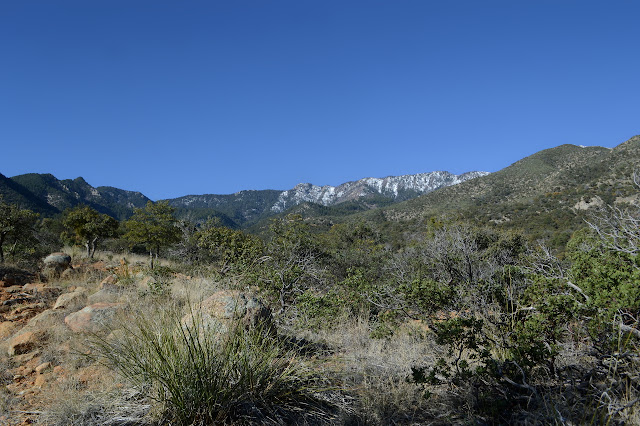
(93, 318)
(226, 308)
(56, 263)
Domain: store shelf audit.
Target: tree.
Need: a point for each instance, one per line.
(230, 249)
(15, 225)
(89, 227)
(292, 261)
(154, 227)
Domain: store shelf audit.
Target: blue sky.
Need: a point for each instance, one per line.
(173, 98)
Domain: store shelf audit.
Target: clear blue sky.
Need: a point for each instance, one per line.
(189, 97)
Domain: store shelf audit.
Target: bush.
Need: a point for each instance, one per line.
(204, 377)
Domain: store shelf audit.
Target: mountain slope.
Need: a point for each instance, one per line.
(14, 193)
(547, 193)
(48, 195)
(246, 208)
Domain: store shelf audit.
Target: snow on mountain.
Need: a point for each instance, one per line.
(396, 187)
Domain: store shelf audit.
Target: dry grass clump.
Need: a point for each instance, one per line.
(105, 403)
(374, 373)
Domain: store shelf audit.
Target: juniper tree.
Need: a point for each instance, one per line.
(88, 227)
(154, 227)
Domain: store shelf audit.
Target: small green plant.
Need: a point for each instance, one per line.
(202, 376)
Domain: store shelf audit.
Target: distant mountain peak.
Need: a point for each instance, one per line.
(396, 187)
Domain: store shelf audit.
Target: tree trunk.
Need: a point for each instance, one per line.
(1, 250)
(93, 247)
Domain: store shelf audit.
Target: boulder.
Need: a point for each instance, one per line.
(93, 318)
(71, 300)
(104, 295)
(228, 307)
(45, 320)
(57, 262)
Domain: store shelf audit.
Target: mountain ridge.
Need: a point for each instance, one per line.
(250, 206)
(49, 195)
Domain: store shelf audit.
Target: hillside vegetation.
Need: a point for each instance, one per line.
(546, 195)
(440, 310)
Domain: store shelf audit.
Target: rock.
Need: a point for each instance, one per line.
(104, 295)
(45, 320)
(25, 343)
(93, 318)
(43, 292)
(43, 367)
(109, 281)
(33, 287)
(223, 308)
(24, 358)
(71, 300)
(7, 328)
(41, 379)
(56, 263)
